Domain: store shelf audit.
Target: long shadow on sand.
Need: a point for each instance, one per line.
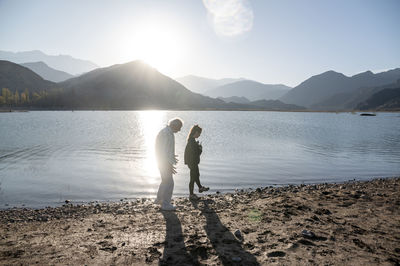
(175, 251)
(228, 248)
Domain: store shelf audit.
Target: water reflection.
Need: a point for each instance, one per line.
(150, 124)
(110, 155)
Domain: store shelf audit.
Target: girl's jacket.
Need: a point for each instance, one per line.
(192, 152)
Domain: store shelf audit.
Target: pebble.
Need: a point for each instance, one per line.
(308, 234)
(238, 234)
(276, 254)
(236, 259)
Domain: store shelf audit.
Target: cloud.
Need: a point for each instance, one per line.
(230, 17)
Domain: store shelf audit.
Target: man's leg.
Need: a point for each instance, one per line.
(169, 188)
(163, 185)
(166, 188)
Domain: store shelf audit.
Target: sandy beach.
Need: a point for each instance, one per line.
(352, 223)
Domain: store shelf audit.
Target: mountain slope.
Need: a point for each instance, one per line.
(133, 85)
(277, 105)
(235, 99)
(47, 72)
(201, 85)
(16, 77)
(252, 90)
(350, 100)
(384, 100)
(64, 63)
(317, 90)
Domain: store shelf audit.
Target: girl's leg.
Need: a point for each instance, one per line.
(192, 179)
(197, 176)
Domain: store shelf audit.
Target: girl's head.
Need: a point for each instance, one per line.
(194, 132)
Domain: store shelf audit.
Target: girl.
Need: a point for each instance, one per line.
(192, 159)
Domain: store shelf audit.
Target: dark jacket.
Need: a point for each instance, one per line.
(192, 152)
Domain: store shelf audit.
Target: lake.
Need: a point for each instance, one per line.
(47, 157)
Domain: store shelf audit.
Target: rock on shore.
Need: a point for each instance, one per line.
(353, 223)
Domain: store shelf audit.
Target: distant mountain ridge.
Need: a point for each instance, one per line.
(64, 63)
(131, 86)
(16, 77)
(250, 89)
(277, 105)
(235, 99)
(136, 86)
(201, 85)
(47, 72)
(317, 91)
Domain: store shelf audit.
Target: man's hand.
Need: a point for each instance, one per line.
(173, 169)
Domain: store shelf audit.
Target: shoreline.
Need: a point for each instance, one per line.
(12, 110)
(79, 203)
(354, 222)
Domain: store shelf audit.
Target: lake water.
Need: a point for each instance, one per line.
(47, 157)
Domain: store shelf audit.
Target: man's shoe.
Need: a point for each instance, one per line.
(157, 201)
(202, 189)
(168, 207)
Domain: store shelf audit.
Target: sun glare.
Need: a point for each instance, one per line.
(159, 45)
(151, 123)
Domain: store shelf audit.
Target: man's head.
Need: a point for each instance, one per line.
(175, 124)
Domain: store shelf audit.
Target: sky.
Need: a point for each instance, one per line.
(270, 41)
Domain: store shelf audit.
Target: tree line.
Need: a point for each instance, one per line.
(43, 98)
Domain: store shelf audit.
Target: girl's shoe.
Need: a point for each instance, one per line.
(202, 189)
(193, 197)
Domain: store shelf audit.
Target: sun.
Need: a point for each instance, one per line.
(160, 45)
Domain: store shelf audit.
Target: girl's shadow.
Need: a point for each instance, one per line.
(229, 249)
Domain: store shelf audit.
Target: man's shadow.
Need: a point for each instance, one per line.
(229, 249)
(175, 251)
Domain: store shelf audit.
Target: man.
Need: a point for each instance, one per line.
(166, 159)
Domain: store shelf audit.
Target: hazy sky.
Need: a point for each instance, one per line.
(268, 41)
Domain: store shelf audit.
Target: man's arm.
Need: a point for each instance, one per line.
(170, 150)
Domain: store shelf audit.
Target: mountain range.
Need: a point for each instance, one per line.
(136, 85)
(201, 85)
(235, 99)
(64, 63)
(47, 72)
(230, 87)
(249, 89)
(131, 86)
(335, 91)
